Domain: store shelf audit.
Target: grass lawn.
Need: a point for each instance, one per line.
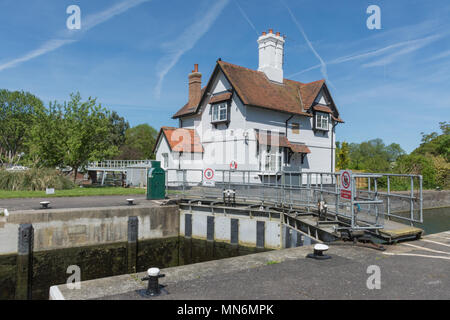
(76, 192)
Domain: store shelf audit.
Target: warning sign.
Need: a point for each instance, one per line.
(209, 178)
(209, 173)
(233, 165)
(346, 184)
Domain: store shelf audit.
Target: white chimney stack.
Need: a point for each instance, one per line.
(271, 47)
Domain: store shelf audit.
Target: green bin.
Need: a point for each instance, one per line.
(156, 182)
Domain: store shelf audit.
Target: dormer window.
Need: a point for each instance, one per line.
(220, 112)
(322, 120)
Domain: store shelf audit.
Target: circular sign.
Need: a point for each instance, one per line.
(209, 173)
(233, 165)
(345, 180)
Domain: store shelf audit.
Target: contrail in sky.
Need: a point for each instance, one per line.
(67, 36)
(186, 41)
(323, 66)
(403, 47)
(246, 17)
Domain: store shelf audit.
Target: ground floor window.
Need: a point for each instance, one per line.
(165, 160)
(271, 159)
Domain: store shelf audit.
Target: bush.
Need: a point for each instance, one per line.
(33, 179)
(442, 172)
(417, 164)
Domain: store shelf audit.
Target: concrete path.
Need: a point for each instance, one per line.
(69, 202)
(412, 270)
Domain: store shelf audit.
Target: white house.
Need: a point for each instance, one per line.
(255, 119)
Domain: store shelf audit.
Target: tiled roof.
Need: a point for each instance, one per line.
(281, 141)
(299, 148)
(220, 97)
(255, 89)
(181, 140)
(322, 108)
(188, 108)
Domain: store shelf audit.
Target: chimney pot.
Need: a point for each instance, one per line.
(278, 34)
(264, 33)
(270, 30)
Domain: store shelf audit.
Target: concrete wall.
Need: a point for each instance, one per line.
(247, 228)
(65, 228)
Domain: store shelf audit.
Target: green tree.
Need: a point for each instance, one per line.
(374, 155)
(435, 144)
(19, 111)
(139, 143)
(119, 126)
(73, 133)
(342, 155)
(417, 164)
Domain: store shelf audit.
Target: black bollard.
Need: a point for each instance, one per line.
(153, 288)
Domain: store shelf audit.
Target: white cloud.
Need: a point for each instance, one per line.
(186, 41)
(88, 23)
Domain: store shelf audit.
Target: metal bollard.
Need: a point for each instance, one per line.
(153, 288)
(319, 249)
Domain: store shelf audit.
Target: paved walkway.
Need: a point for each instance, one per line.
(412, 270)
(70, 202)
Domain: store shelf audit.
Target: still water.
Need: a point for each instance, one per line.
(435, 220)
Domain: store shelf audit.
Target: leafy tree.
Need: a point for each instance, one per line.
(119, 126)
(19, 111)
(342, 155)
(374, 155)
(139, 143)
(417, 164)
(73, 133)
(435, 144)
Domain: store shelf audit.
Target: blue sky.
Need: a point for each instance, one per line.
(134, 55)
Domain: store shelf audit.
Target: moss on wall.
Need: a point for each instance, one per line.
(105, 260)
(7, 276)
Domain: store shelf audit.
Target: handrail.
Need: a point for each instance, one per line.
(306, 188)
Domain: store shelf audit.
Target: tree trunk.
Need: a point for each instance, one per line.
(75, 174)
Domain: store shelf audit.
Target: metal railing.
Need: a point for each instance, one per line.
(367, 207)
(115, 164)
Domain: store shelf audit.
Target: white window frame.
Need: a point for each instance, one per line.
(165, 157)
(322, 121)
(271, 159)
(216, 112)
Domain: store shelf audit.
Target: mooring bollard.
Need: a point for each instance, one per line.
(153, 288)
(130, 202)
(319, 249)
(44, 204)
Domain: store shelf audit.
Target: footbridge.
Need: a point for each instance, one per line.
(320, 206)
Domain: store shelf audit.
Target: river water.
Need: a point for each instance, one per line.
(435, 220)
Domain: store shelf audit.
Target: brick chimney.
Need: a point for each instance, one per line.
(195, 86)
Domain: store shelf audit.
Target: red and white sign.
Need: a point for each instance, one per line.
(209, 173)
(233, 165)
(209, 176)
(346, 184)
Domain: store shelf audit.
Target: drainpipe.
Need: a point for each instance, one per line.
(287, 120)
(332, 136)
(287, 123)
